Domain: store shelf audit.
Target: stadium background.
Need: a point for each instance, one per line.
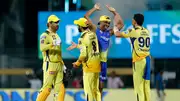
(22, 21)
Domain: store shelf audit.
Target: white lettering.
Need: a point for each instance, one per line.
(176, 32)
(71, 31)
(118, 40)
(163, 32)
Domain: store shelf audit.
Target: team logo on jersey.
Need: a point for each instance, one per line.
(43, 37)
(52, 72)
(54, 37)
(104, 38)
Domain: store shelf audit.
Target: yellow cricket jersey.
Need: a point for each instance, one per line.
(140, 41)
(89, 52)
(50, 53)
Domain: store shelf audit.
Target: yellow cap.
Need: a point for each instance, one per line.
(81, 22)
(53, 18)
(105, 18)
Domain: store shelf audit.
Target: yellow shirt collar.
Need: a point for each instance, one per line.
(50, 31)
(138, 27)
(85, 32)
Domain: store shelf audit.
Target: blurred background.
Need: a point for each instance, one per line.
(23, 21)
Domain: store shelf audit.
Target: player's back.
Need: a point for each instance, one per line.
(140, 43)
(92, 63)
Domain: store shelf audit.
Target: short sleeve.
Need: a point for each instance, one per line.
(128, 33)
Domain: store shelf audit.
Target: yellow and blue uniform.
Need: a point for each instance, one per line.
(104, 41)
(52, 65)
(140, 41)
(90, 59)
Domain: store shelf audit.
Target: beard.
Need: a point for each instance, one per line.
(54, 28)
(106, 27)
(79, 29)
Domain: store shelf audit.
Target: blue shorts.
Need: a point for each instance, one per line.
(103, 74)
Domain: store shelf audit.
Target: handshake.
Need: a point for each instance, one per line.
(57, 42)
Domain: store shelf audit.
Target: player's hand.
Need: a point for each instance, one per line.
(64, 69)
(73, 45)
(97, 6)
(111, 9)
(74, 65)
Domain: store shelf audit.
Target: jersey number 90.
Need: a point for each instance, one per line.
(144, 41)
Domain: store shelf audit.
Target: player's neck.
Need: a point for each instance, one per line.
(101, 29)
(86, 30)
(137, 26)
(51, 30)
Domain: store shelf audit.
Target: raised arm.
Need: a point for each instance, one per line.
(89, 13)
(118, 22)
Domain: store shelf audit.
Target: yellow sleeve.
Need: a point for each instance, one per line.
(83, 53)
(44, 45)
(128, 33)
(62, 62)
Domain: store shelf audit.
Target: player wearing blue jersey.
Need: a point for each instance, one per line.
(103, 34)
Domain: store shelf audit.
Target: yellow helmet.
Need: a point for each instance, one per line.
(83, 22)
(52, 18)
(104, 18)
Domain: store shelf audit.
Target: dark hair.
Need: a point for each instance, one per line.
(139, 18)
(47, 25)
(85, 28)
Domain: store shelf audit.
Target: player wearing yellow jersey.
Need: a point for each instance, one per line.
(140, 41)
(90, 59)
(50, 45)
(103, 34)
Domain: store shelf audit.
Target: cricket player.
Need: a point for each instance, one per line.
(53, 65)
(159, 84)
(103, 35)
(90, 59)
(140, 41)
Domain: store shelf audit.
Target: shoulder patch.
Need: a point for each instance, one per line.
(43, 37)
